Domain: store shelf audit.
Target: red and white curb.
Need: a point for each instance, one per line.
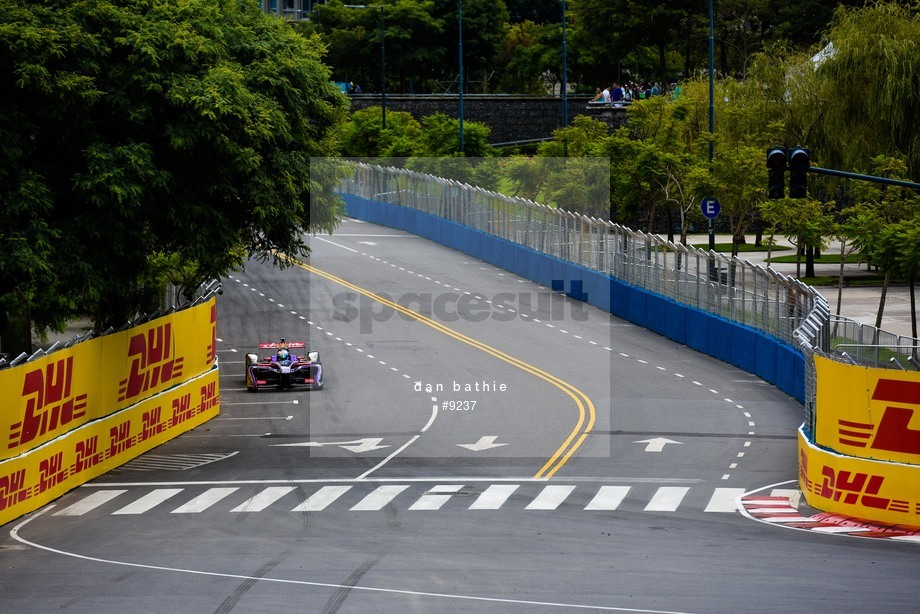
(781, 511)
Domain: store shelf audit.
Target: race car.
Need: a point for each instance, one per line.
(282, 368)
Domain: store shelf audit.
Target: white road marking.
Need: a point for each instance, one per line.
(794, 495)
(204, 500)
(91, 502)
(262, 500)
(388, 458)
(724, 500)
(294, 402)
(608, 498)
(667, 499)
(14, 533)
(434, 414)
(319, 500)
(380, 497)
(336, 244)
(493, 497)
(550, 498)
(222, 418)
(433, 500)
(148, 501)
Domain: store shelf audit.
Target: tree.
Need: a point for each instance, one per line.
(136, 132)
(873, 69)
(411, 35)
(484, 26)
(521, 59)
(676, 128)
(908, 261)
(364, 136)
(878, 224)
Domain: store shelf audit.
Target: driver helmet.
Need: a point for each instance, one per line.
(283, 354)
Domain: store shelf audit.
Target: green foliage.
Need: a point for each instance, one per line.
(874, 72)
(364, 136)
(136, 132)
(522, 58)
(884, 219)
(441, 137)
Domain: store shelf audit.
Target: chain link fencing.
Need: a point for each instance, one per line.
(732, 288)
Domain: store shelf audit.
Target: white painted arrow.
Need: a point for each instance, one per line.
(365, 445)
(484, 443)
(657, 444)
(359, 445)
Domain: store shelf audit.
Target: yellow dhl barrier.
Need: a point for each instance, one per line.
(45, 398)
(862, 488)
(868, 413)
(39, 476)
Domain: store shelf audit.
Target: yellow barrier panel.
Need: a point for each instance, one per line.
(45, 398)
(39, 476)
(858, 487)
(868, 413)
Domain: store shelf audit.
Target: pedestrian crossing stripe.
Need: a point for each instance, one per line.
(493, 497)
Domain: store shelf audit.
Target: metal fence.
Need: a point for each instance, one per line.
(172, 302)
(735, 289)
(730, 287)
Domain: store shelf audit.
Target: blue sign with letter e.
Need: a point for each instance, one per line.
(710, 207)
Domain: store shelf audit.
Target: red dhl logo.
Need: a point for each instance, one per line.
(51, 472)
(50, 402)
(151, 425)
(182, 410)
(88, 454)
(893, 433)
(152, 362)
(120, 438)
(851, 488)
(212, 348)
(13, 489)
(209, 397)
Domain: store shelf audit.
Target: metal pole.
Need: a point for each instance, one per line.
(383, 66)
(831, 171)
(712, 112)
(460, 63)
(565, 109)
(383, 55)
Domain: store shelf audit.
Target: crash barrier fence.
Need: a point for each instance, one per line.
(70, 415)
(848, 477)
(171, 303)
(728, 287)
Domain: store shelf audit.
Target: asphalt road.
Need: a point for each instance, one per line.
(505, 449)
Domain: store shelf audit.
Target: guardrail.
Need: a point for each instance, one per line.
(737, 290)
(729, 287)
(171, 305)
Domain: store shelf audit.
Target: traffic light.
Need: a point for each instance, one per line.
(776, 167)
(799, 162)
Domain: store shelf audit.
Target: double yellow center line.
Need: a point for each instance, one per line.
(586, 411)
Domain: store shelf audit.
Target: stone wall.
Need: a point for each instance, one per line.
(512, 118)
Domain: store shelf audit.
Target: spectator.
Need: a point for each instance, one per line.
(598, 97)
(616, 94)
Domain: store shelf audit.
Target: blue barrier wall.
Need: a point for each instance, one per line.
(746, 348)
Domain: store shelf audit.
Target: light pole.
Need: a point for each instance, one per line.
(460, 63)
(712, 114)
(383, 55)
(565, 110)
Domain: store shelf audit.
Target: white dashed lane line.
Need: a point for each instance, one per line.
(326, 332)
(531, 319)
